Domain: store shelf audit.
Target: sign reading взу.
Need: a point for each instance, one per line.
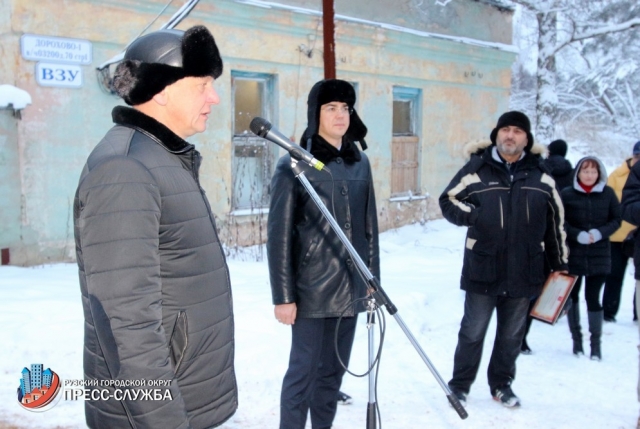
(47, 48)
(60, 75)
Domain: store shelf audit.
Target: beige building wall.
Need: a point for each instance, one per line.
(463, 81)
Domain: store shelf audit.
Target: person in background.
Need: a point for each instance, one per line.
(631, 213)
(592, 214)
(559, 167)
(154, 281)
(514, 216)
(313, 279)
(619, 257)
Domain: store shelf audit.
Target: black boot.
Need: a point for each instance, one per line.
(573, 316)
(595, 327)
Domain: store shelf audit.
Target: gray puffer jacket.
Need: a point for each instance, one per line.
(154, 281)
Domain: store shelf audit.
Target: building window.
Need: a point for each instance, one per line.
(405, 145)
(356, 87)
(253, 157)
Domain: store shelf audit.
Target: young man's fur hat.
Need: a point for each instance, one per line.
(325, 92)
(516, 119)
(163, 57)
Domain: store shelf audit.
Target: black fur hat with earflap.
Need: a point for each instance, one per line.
(158, 59)
(325, 92)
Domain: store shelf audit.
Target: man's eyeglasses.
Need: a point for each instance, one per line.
(333, 109)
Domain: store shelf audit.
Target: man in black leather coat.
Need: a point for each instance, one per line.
(313, 279)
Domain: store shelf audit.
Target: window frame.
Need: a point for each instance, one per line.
(247, 139)
(413, 96)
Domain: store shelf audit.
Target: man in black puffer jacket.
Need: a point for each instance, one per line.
(154, 280)
(515, 215)
(313, 279)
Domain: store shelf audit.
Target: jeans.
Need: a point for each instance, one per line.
(478, 309)
(314, 376)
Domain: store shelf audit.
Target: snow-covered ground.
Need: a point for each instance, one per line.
(41, 319)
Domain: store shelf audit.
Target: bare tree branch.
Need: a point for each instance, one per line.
(606, 29)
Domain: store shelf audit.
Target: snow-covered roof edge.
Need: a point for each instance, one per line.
(15, 97)
(499, 4)
(465, 40)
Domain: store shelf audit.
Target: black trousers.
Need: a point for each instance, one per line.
(314, 376)
(613, 283)
(592, 288)
(478, 309)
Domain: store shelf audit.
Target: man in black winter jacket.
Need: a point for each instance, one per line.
(631, 213)
(313, 279)
(559, 166)
(153, 276)
(515, 216)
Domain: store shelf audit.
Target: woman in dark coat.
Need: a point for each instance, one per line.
(592, 214)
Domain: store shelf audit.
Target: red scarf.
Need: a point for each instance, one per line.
(586, 188)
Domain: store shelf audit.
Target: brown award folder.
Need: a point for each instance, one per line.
(554, 294)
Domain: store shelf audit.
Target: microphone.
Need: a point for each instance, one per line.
(264, 129)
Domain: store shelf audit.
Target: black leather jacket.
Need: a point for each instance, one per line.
(308, 264)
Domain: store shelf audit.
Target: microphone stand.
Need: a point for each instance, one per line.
(376, 293)
(371, 405)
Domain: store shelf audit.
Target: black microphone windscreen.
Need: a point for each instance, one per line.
(260, 126)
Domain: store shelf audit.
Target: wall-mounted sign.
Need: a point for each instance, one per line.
(61, 75)
(46, 48)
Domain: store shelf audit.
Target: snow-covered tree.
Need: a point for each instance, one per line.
(607, 88)
(582, 23)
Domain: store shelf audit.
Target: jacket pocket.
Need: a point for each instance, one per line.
(179, 341)
(481, 261)
(308, 254)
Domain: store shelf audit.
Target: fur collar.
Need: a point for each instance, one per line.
(477, 147)
(325, 152)
(132, 118)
